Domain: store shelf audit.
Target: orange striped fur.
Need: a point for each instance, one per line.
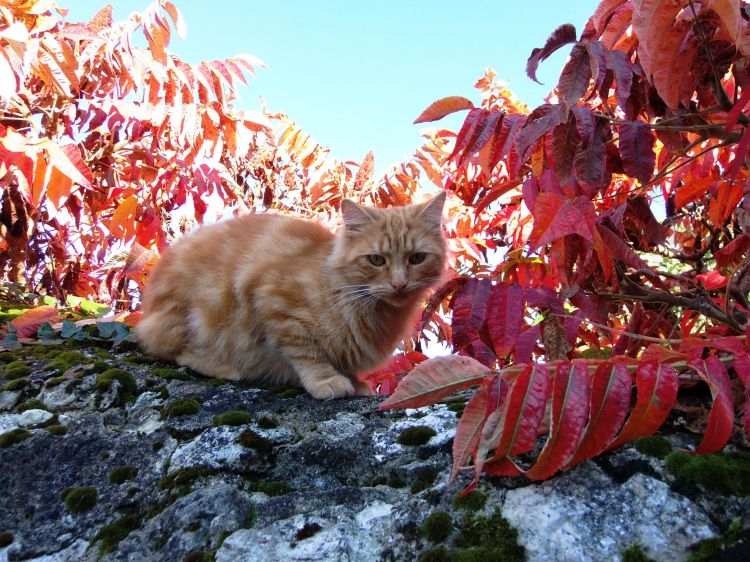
(281, 299)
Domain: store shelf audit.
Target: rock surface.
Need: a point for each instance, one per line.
(186, 468)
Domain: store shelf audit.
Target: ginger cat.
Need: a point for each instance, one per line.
(266, 297)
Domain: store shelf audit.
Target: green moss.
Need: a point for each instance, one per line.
(101, 366)
(79, 500)
(268, 422)
(437, 526)
(654, 446)
(488, 538)
(129, 385)
(414, 436)
(57, 429)
(181, 407)
(473, 501)
(274, 488)
(183, 477)
(437, 554)
(6, 538)
(711, 549)
(253, 440)
(170, 374)
(728, 473)
(121, 474)
(213, 383)
(163, 391)
(55, 381)
(17, 384)
(634, 553)
(13, 436)
(17, 373)
(425, 479)
(233, 417)
(34, 404)
(16, 364)
(67, 360)
(142, 360)
(110, 535)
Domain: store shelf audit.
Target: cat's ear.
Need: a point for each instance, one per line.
(432, 211)
(355, 217)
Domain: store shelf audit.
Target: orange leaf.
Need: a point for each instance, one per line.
(28, 323)
(443, 107)
(123, 223)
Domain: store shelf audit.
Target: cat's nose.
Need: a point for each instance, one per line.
(398, 285)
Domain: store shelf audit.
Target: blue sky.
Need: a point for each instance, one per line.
(355, 75)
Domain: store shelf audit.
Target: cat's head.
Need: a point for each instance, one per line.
(391, 254)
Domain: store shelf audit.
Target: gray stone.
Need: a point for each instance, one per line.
(8, 399)
(34, 418)
(585, 516)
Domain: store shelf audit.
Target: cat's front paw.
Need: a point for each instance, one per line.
(329, 388)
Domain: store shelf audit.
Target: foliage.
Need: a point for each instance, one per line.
(620, 209)
(600, 240)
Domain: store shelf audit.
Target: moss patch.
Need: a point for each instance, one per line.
(129, 385)
(728, 473)
(142, 360)
(425, 479)
(6, 538)
(110, 535)
(634, 553)
(17, 384)
(437, 526)
(268, 422)
(711, 549)
(79, 500)
(55, 381)
(121, 474)
(67, 360)
(34, 404)
(274, 488)
(16, 372)
(488, 538)
(473, 501)
(253, 440)
(654, 446)
(415, 436)
(183, 477)
(170, 374)
(13, 436)
(233, 417)
(57, 429)
(181, 407)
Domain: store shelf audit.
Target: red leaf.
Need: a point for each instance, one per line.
(505, 136)
(563, 35)
(482, 134)
(721, 418)
(603, 12)
(469, 429)
(742, 368)
(443, 107)
(637, 150)
(712, 280)
(435, 378)
(590, 162)
(734, 252)
(565, 142)
(570, 408)
(505, 317)
(28, 323)
(610, 401)
(469, 305)
(541, 121)
(522, 413)
(575, 76)
(555, 217)
(657, 386)
(525, 344)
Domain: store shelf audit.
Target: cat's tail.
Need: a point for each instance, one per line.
(163, 331)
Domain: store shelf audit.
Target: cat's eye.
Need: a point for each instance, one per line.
(376, 259)
(417, 258)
